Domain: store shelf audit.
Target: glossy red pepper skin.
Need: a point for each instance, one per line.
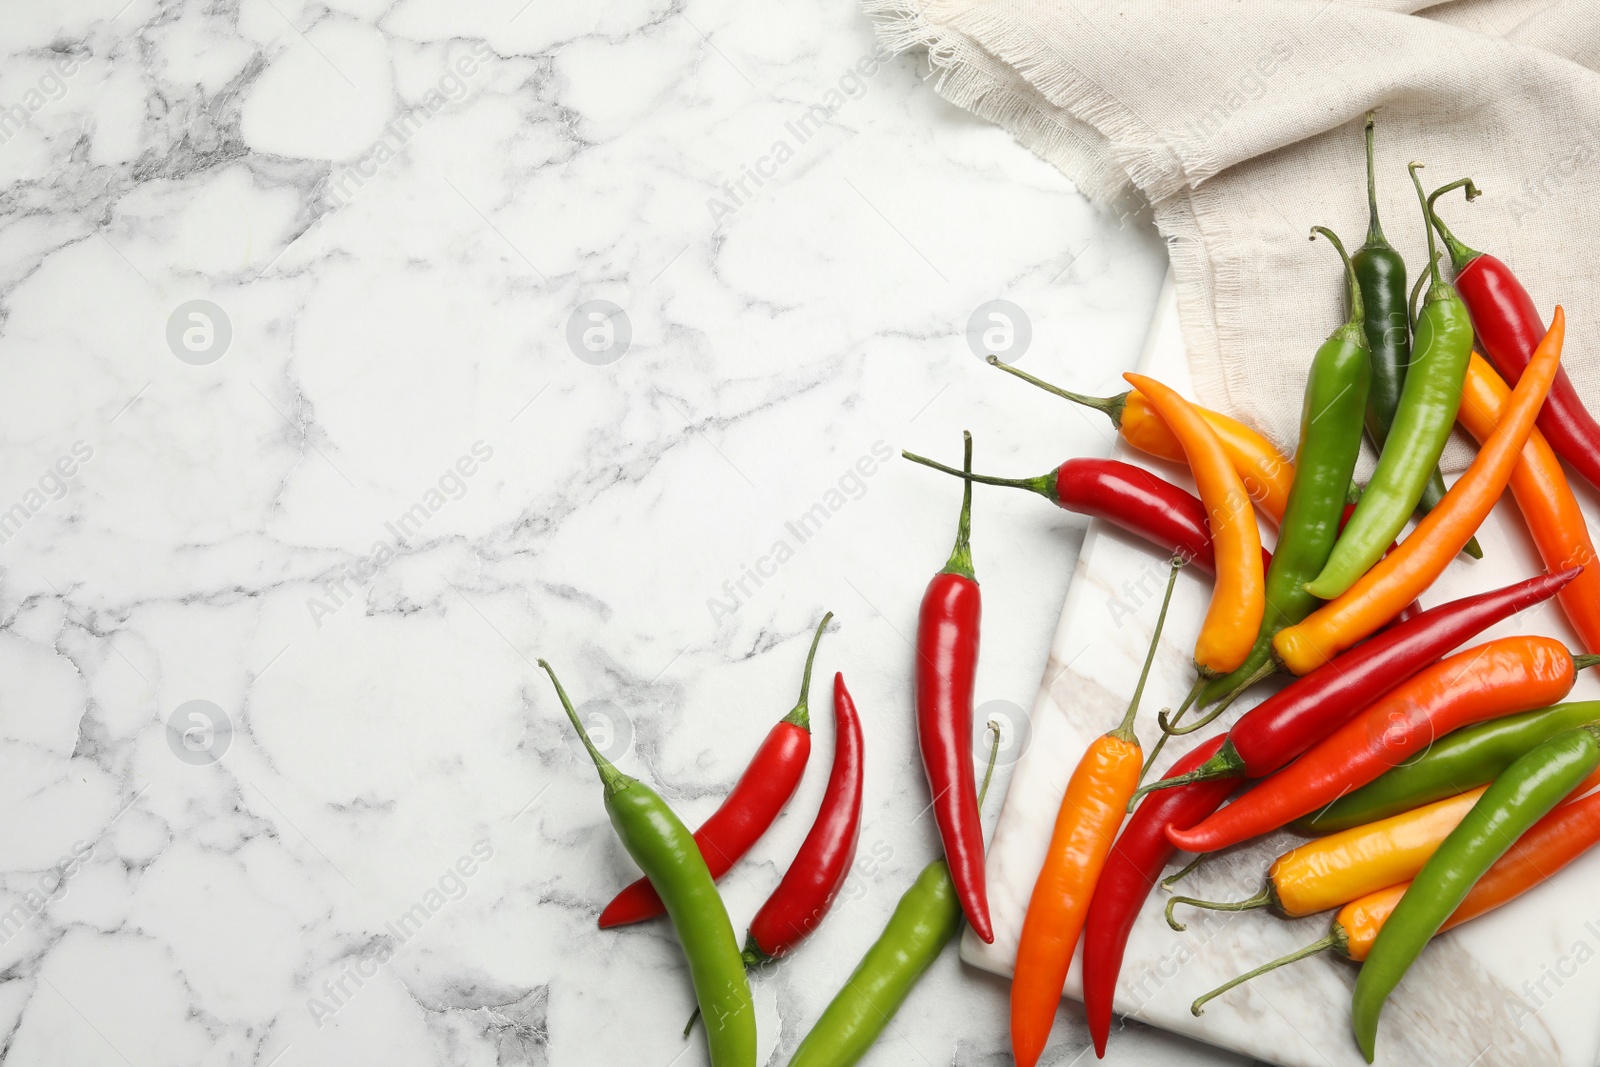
(812, 882)
(1140, 854)
(1509, 329)
(1145, 505)
(757, 798)
(947, 662)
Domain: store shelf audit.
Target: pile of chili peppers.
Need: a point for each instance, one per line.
(1438, 778)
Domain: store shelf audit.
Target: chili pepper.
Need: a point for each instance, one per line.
(1382, 274)
(1129, 497)
(1330, 444)
(665, 850)
(1137, 859)
(1538, 855)
(947, 663)
(812, 881)
(1341, 867)
(1518, 799)
(1091, 811)
(1404, 573)
(1422, 423)
(1497, 678)
(1238, 600)
(1540, 488)
(1301, 714)
(740, 820)
(924, 921)
(1267, 476)
(1509, 328)
(1454, 763)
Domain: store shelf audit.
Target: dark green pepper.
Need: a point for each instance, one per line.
(666, 851)
(1381, 273)
(1520, 797)
(1454, 764)
(1426, 414)
(1330, 444)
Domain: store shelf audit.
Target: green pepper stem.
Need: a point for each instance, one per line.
(1437, 279)
(801, 714)
(1166, 724)
(1044, 484)
(613, 780)
(1170, 727)
(1124, 731)
(1260, 900)
(1197, 1008)
(1375, 238)
(1581, 662)
(1357, 310)
(1460, 254)
(961, 555)
(1225, 764)
(1416, 291)
(988, 772)
(1111, 406)
(1188, 869)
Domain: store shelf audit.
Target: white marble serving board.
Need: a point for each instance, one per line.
(1517, 987)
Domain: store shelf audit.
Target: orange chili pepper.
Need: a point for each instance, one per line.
(1266, 474)
(1549, 845)
(1540, 488)
(1398, 578)
(1238, 599)
(1091, 812)
(1341, 867)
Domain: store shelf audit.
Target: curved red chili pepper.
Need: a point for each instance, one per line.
(1509, 328)
(1136, 862)
(740, 820)
(947, 667)
(813, 880)
(1141, 503)
(1289, 722)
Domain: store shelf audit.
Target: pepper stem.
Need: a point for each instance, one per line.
(1044, 484)
(1219, 766)
(1124, 731)
(1260, 900)
(1299, 954)
(988, 772)
(1166, 723)
(1460, 254)
(1433, 252)
(1416, 291)
(613, 780)
(961, 556)
(1110, 406)
(1357, 311)
(801, 715)
(1581, 662)
(1375, 238)
(1189, 868)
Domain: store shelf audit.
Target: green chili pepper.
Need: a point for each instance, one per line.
(924, 921)
(1330, 443)
(665, 850)
(1422, 423)
(1454, 764)
(1520, 797)
(1382, 274)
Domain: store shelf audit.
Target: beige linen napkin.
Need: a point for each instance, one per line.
(1241, 123)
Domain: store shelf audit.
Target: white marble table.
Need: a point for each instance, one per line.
(301, 472)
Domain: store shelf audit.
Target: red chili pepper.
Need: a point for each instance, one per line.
(738, 823)
(813, 880)
(1500, 677)
(947, 666)
(1136, 862)
(1296, 717)
(1510, 329)
(1128, 497)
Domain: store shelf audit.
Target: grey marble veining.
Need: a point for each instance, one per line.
(311, 446)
